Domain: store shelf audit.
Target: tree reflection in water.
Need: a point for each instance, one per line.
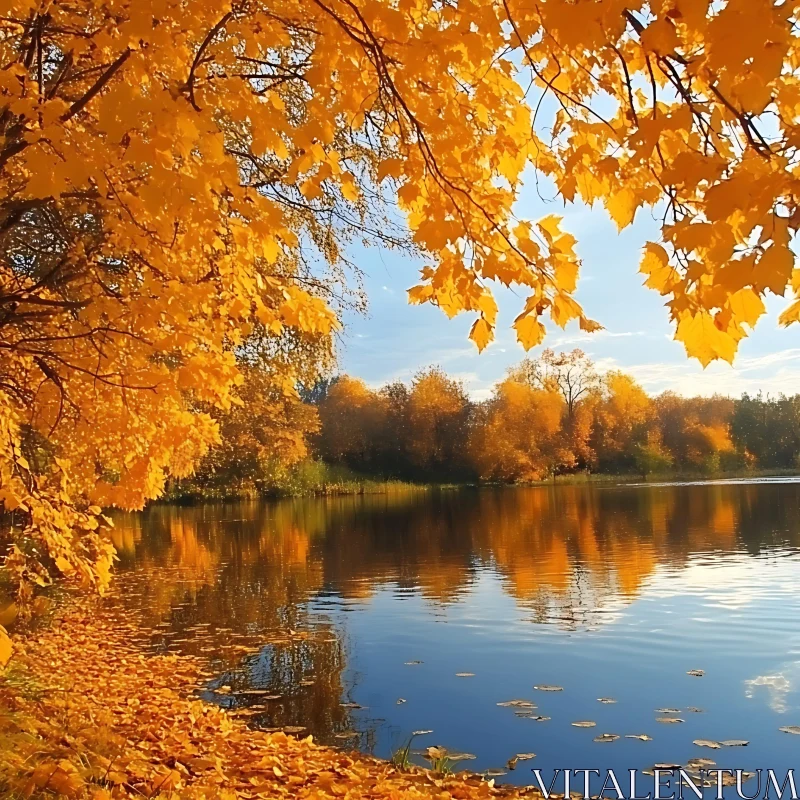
(233, 582)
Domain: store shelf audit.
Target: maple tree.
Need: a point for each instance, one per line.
(438, 409)
(517, 437)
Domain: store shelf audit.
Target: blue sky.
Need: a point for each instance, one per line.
(395, 340)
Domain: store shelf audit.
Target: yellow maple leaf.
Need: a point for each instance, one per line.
(481, 333)
(622, 207)
(655, 264)
(703, 340)
(530, 330)
(774, 269)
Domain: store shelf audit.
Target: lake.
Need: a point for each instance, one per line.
(362, 619)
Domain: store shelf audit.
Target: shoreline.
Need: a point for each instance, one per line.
(371, 486)
(87, 712)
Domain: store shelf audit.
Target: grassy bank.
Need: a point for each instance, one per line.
(315, 478)
(87, 713)
(308, 479)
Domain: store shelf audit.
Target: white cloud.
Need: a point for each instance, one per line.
(778, 689)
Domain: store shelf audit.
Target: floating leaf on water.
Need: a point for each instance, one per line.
(434, 753)
(696, 673)
(517, 704)
(586, 723)
(734, 743)
(547, 688)
(345, 735)
(525, 756)
(512, 763)
(294, 728)
(711, 743)
(494, 772)
(412, 663)
(524, 713)
(700, 763)
(606, 737)
(537, 718)
(642, 737)
(667, 766)
(420, 733)
(400, 701)
(606, 700)
(694, 710)
(668, 711)
(461, 756)
(730, 780)
(795, 729)
(351, 705)
(465, 674)
(668, 720)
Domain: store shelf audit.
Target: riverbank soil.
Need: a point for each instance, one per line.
(87, 712)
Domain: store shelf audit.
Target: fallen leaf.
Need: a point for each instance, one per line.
(517, 703)
(461, 756)
(711, 743)
(699, 763)
(642, 737)
(696, 673)
(547, 688)
(790, 729)
(584, 724)
(606, 737)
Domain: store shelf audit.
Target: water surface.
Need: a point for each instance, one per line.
(612, 592)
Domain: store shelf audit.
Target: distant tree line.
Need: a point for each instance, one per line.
(550, 415)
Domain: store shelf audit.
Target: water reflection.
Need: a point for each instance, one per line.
(286, 599)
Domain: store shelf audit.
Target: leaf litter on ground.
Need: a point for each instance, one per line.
(146, 735)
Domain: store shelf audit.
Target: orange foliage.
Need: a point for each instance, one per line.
(517, 436)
